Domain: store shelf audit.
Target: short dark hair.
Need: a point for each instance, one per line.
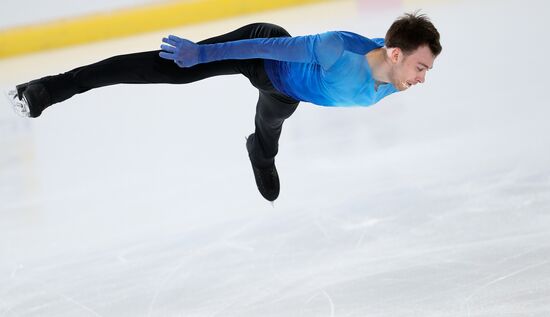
(412, 30)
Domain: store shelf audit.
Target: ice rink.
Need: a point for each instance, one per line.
(139, 200)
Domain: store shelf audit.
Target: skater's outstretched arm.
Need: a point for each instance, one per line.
(323, 49)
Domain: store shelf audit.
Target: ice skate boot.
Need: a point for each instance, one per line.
(267, 178)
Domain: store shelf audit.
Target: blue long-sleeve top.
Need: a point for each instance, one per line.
(328, 69)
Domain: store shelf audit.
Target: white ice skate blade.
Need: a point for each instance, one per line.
(20, 107)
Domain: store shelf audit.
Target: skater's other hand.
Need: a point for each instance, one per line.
(183, 52)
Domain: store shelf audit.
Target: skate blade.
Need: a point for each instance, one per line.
(20, 107)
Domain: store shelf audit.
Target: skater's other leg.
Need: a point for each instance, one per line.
(263, 145)
(271, 112)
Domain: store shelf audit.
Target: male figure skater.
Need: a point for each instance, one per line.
(330, 69)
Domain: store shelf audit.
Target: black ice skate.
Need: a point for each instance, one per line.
(30, 99)
(267, 179)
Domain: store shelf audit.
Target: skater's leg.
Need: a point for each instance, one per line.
(271, 111)
(137, 68)
(146, 67)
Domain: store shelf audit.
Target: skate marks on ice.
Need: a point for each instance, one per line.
(471, 297)
(348, 257)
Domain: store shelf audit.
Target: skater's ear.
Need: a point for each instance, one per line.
(394, 54)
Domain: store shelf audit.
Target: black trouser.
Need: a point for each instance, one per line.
(272, 108)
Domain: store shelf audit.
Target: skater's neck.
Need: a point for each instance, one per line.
(380, 65)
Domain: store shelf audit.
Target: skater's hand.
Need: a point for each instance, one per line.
(183, 52)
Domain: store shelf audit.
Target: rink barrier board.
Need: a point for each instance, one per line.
(385, 4)
(120, 23)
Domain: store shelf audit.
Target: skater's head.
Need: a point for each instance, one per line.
(412, 43)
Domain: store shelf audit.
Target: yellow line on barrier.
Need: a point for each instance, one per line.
(22, 40)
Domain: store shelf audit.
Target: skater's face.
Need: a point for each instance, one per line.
(410, 69)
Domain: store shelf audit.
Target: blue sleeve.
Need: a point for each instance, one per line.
(323, 49)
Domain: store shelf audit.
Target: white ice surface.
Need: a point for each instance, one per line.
(140, 200)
